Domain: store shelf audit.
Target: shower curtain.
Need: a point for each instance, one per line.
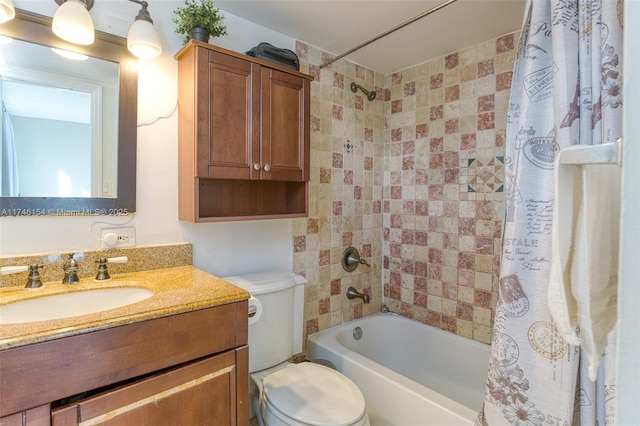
(566, 90)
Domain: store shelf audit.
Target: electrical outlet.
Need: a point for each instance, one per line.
(118, 237)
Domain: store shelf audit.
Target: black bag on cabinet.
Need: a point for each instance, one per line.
(268, 52)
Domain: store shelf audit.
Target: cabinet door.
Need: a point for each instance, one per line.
(228, 118)
(202, 393)
(39, 416)
(285, 126)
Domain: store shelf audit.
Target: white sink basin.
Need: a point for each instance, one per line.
(72, 304)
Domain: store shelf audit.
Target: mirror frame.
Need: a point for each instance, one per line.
(34, 28)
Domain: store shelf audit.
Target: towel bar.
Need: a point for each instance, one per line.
(606, 153)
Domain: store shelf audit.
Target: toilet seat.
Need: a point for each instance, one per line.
(312, 394)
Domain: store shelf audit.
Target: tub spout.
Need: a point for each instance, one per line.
(352, 293)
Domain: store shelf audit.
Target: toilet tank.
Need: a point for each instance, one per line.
(275, 332)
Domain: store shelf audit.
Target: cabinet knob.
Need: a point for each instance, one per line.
(267, 168)
(256, 166)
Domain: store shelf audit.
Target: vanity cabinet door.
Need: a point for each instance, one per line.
(201, 393)
(39, 416)
(285, 127)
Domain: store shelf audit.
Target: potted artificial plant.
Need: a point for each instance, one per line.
(199, 19)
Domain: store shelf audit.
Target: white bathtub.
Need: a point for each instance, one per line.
(408, 372)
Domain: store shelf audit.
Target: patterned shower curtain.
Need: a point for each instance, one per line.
(566, 90)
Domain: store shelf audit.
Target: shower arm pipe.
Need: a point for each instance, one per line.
(370, 94)
(392, 30)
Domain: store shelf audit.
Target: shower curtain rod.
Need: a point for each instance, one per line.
(386, 33)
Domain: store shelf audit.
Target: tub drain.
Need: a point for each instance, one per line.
(357, 333)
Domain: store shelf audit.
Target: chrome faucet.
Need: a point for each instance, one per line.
(352, 293)
(70, 268)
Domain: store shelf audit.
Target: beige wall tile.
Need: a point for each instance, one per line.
(385, 215)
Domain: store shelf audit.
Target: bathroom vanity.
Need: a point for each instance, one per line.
(179, 357)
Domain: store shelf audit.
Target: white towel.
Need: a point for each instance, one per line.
(584, 264)
(567, 201)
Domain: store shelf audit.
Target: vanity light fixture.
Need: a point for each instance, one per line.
(72, 21)
(143, 40)
(7, 11)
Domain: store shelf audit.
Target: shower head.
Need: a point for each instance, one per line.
(371, 95)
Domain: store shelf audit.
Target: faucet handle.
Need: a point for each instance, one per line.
(358, 260)
(33, 280)
(103, 271)
(71, 262)
(351, 259)
(6, 270)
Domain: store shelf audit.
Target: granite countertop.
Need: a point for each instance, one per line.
(176, 290)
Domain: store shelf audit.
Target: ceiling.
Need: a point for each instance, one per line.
(337, 26)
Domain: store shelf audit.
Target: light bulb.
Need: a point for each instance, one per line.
(72, 22)
(143, 40)
(7, 11)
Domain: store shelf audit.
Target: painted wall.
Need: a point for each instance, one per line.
(629, 297)
(223, 249)
(53, 157)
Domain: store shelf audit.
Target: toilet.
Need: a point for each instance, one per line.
(285, 393)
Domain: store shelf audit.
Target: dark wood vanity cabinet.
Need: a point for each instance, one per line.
(243, 136)
(185, 369)
(201, 393)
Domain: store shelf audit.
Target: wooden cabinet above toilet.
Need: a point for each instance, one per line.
(243, 136)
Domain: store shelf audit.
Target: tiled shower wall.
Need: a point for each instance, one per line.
(345, 192)
(443, 186)
(414, 180)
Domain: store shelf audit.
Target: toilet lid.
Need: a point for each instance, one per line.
(314, 394)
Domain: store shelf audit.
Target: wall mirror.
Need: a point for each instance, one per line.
(69, 122)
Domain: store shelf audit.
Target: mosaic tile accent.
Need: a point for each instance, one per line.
(486, 176)
(348, 146)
